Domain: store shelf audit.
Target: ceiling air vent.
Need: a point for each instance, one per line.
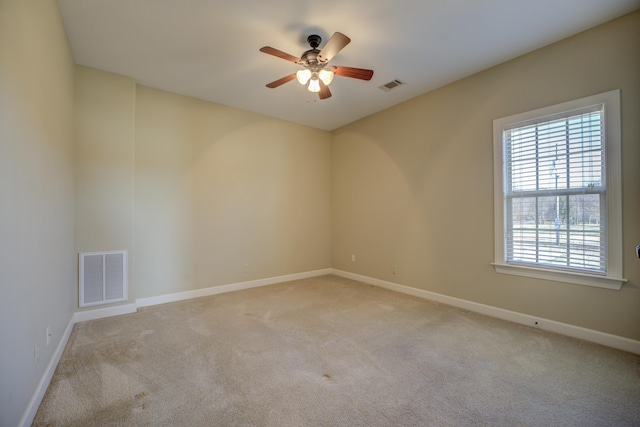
(391, 85)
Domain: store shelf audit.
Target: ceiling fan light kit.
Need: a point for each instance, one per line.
(316, 74)
(303, 76)
(314, 85)
(326, 76)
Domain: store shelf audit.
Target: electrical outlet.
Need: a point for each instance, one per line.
(353, 257)
(36, 352)
(393, 269)
(48, 334)
(245, 268)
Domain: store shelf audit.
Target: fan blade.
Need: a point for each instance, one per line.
(324, 90)
(336, 43)
(354, 73)
(280, 54)
(281, 81)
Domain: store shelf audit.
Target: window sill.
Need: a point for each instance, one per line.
(561, 276)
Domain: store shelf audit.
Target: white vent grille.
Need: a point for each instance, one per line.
(103, 277)
(391, 85)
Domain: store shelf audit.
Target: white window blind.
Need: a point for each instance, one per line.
(558, 192)
(555, 192)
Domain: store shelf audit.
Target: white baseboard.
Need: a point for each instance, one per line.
(34, 403)
(116, 310)
(99, 313)
(609, 340)
(215, 290)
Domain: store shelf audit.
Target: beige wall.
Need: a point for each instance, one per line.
(217, 188)
(196, 190)
(104, 132)
(413, 185)
(37, 260)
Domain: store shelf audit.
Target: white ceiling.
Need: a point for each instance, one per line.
(208, 49)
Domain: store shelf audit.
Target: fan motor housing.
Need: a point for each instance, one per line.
(310, 57)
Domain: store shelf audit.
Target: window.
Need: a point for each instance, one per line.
(557, 192)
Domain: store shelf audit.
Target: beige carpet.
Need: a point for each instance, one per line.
(329, 351)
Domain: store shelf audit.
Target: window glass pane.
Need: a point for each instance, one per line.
(550, 233)
(549, 161)
(523, 212)
(587, 243)
(522, 246)
(550, 171)
(553, 155)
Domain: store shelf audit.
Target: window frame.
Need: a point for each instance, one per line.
(612, 278)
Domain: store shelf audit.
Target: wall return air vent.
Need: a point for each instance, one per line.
(103, 278)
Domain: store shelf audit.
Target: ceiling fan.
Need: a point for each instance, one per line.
(317, 74)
